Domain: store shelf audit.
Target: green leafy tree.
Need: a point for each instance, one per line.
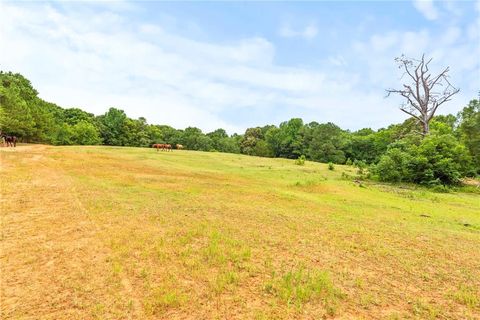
(194, 139)
(113, 127)
(436, 159)
(393, 166)
(171, 135)
(85, 133)
(222, 142)
(74, 115)
(326, 142)
(64, 135)
(250, 139)
(154, 134)
(287, 140)
(469, 128)
(17, 99)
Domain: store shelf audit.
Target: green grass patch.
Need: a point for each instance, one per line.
(468, 296)
(299, 286)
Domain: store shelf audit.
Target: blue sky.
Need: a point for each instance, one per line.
(238, 64)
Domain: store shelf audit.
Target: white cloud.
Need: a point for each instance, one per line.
(447, 48)
(309, 32)
(150, 72)
(427, 8)
(337, 60)
(95, 58)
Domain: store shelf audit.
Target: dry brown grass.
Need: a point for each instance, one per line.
(123, 233)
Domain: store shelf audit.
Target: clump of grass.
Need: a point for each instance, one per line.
(425, 310)
(300, 161)
(367, 300)
(225, 280)
(467, 296)
(117, 267)
(306, 183)
(346, 176)
(299, 286)
(440, 189)
(331, 167)
(161, 299)
(221, 250)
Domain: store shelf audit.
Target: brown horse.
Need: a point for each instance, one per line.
(11, 141)
(162, 146)
(158, 146)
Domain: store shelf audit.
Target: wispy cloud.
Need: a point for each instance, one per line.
(308, 32)
(427, 8)
(98, 57)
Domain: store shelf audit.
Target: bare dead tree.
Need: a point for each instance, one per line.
(425, 92)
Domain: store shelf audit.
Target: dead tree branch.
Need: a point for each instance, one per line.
(425, 92)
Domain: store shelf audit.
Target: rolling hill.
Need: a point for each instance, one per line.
(131, 233)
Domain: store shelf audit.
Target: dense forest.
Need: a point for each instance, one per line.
(399, 153)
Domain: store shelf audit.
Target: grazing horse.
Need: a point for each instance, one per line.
(11, 141)
(158, 146)
(179, 146)
(162, 146)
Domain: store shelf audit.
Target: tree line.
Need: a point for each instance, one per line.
(450, 151)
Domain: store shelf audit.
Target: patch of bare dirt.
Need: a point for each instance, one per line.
(52, 264)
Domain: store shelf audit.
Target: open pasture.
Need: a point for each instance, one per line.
(131, 233)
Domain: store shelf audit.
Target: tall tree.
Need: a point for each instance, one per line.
(424, 92)
(17, 100)
(113, 127)
(326, 142)
(469, 128)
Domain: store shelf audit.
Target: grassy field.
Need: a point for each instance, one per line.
(131, 233)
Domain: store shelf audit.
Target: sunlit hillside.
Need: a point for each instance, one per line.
(132, 233)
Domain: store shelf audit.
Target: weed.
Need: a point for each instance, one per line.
(300, 161)
(161, 299)
(331, 167)
(225, 280)
(299, 286)
(425, 310)
(467, 296)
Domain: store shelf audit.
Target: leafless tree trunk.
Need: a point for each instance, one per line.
(426, 92)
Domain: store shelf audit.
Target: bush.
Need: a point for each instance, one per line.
(435, 160)
(330, 166)
(393, 166)
(85, 133)
(300, 161)
(360, 164)
(64, 135)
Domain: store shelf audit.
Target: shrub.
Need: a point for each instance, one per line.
(300, 161)
(64, 135)
(330, 166)
(435, 160)
(85, 133)
(393, 166)
(360, 164)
